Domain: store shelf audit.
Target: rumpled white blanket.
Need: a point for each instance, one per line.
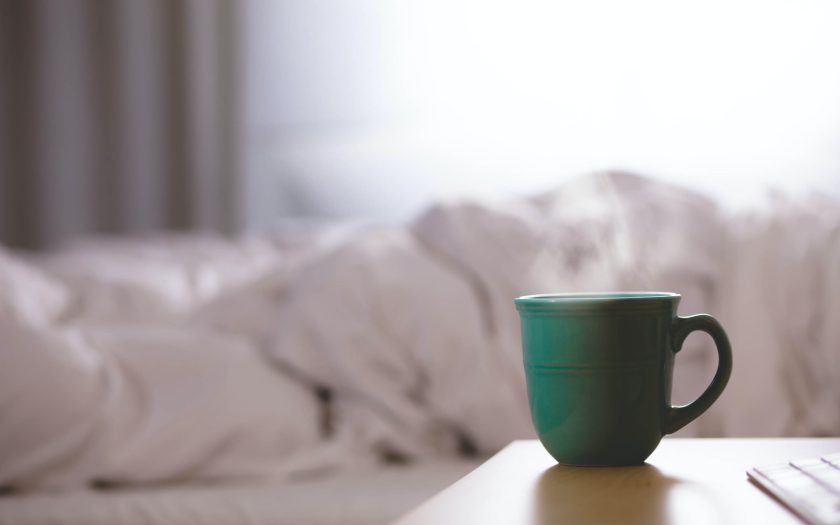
(115, 368)
(780, 303)
(136, 362)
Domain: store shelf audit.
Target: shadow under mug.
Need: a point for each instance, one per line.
(599, 368)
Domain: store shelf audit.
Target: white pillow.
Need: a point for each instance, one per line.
(27, 294)
(154, 279)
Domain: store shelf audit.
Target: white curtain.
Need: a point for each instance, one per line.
(117, 116)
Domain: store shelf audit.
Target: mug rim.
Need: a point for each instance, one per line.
(553, 301)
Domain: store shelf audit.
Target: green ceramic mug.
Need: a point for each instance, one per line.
(599, 368)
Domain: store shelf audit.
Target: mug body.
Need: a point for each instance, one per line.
(599, 369)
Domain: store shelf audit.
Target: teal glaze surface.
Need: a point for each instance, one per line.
(599, 368)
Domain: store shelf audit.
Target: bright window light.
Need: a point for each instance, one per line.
(379, 107)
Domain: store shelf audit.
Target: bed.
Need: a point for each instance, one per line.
(343, 374)
(363, 497)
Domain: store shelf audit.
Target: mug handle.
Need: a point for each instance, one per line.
(677, 417)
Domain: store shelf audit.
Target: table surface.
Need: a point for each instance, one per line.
(700, 481)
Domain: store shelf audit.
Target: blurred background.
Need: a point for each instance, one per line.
(131, 116)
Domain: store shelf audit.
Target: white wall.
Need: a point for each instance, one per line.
(366, 108)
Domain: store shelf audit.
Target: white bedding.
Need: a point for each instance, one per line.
(198, 359)
(119, 383)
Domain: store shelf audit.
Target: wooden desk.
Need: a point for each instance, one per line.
(700, 481)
